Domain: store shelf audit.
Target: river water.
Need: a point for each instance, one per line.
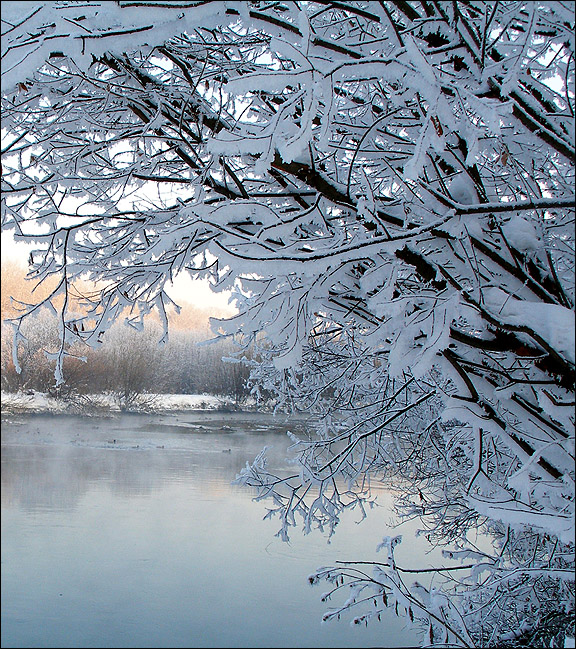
(127, 532)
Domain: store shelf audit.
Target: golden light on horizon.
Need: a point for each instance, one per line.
(183, 290)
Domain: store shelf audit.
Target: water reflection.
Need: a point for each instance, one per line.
(132, 454)
(127, 533)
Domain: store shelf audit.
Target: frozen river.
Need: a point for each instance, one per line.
(127, 532)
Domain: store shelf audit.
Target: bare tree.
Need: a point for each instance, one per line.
(388, 186)
(132, 360)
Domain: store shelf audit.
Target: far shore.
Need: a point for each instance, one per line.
(32, 402)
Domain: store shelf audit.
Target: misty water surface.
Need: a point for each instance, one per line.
(126, 532)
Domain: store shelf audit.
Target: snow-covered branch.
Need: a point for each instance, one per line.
(388, 188)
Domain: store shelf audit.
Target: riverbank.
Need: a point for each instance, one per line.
(32, 401)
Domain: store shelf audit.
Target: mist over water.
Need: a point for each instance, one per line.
(127, 532)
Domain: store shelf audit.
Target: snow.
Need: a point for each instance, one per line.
(554, 323)
(463, 191)
(521, 234)
(335, 307)
(499, 505)
(42, 402)
(39, 28)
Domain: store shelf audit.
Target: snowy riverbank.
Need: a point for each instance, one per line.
(32, 401)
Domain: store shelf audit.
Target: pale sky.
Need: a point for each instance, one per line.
(198, 293)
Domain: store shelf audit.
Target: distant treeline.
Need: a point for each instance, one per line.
(128, 363)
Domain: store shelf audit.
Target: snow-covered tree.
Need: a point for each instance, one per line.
(389, 189)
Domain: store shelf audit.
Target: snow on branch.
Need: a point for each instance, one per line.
(388, 190)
